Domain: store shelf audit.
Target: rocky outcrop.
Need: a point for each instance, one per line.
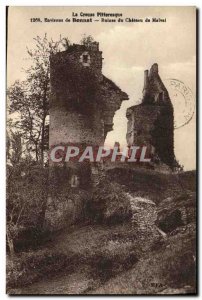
(175, 212)
(66, 209)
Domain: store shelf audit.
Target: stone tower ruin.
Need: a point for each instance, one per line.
(151, 123)
(82, 106)
(83, 101)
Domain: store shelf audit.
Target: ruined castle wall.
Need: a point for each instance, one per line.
(154, 90)
(69, 127)
(70, 76)
(82, 106)
(142, 124)
(83, 101)
(73, 114)
(111, 103)
(152, 122)
(152, 126)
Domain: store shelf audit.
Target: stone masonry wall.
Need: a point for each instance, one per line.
(83, 101)
(151, 126)
(151, 123)
(82, 106)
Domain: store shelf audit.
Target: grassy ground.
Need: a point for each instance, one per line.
(103, 266)
(110, 259)
(94, 252)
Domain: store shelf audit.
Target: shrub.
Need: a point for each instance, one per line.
(26, 199)
(109, 204)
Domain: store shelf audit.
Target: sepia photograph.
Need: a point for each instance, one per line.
(101, 164)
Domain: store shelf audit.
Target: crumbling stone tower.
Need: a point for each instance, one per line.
(151, 123)
(82, 106)
(83, 101)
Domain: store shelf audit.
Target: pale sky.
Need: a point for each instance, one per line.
(128, 49)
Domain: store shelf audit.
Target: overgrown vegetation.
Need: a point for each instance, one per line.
(102, 251)
(26, 200)
(109, 204)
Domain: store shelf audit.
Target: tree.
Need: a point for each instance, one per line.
(27, 191)
(87, 40)
(27, 178)
(14, 147)
(29, 99)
